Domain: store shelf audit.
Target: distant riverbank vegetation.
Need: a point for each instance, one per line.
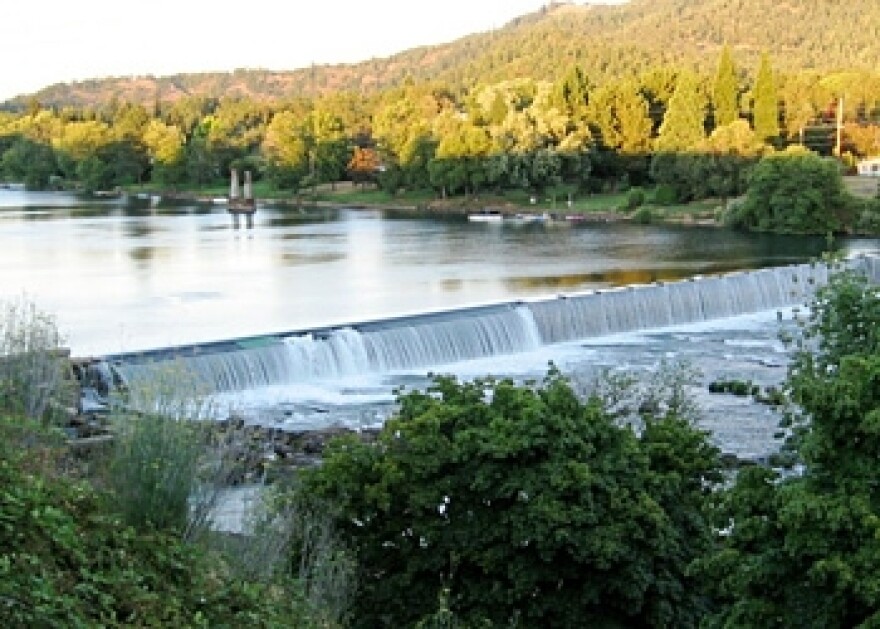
(677, 132)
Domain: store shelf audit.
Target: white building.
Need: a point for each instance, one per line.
(869, 167)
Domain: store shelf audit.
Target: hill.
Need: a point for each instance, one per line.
(607, 41)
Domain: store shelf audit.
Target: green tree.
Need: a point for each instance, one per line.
(804, 551)
(165, 147)
(571, 94)
(31, 162)
(796, 192)
(286, 150)
(765, 111)
(725, 90)
(527, 505)
(620, 113)
(683, 124)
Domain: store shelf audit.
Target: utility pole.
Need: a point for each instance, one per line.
(838, 145)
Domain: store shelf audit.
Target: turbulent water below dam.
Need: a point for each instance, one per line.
(720, 327)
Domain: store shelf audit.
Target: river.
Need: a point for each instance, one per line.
(126, 275)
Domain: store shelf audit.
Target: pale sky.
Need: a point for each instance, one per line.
(48, 41)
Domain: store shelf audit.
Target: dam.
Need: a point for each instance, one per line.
(423, 341)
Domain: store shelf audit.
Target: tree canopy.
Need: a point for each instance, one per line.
(526, 504)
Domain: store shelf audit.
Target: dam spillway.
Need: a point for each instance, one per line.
(423, 341)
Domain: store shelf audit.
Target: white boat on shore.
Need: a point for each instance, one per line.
(486, 216)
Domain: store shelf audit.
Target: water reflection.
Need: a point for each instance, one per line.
(293, 218)
(295, 259)
(146, 254)
(114, 274)
(138, 229)
(617, 277)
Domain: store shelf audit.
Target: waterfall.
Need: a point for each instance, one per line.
(375, 347)
(439, 338)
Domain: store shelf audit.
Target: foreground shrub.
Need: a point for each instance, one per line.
(34, 375)
(66, 560)
(520, 506)
(804, 551)
(169, 464)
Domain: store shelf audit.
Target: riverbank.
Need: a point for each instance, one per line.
(595, 208)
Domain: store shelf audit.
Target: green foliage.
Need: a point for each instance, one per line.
(725, 91)
(683, 123)
(635, 198)
(794, 192)
(665, 195)
(155, 469)
(765, 112)
(31, 162)
(67, 561)
(644, 216)
(805, 550)
(526, 505)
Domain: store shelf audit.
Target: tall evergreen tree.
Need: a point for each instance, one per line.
(724, 90)
(765, 112)
(683, 124)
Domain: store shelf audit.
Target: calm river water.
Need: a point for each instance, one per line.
(126, 276)
(123, 276)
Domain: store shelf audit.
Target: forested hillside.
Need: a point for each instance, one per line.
(606, 41)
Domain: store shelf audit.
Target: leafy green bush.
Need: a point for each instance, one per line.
(527, 505)
(635, 198)
(665, 195)
(644, 216)
(66, 560)
(804, 550)
(795, 192)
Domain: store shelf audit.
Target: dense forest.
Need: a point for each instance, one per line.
(692, 101)
(608, 42)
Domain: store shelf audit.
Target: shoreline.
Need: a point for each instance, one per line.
(463, 208)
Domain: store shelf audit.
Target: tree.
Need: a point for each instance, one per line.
(571, 94)
(765, 112)
(165, 146)
(683, 124)
(31, 162)
(795, 192)
(526, 505)
(364, 165)
(621, 115)
(799, 98)
(805, 550)
(732, 151)
(725, 90)
(286, 150)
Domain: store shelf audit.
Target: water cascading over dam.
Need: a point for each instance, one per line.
(441, 338)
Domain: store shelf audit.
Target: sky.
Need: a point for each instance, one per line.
(51, 41)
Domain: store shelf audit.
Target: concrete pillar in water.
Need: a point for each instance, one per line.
(248, 186)
(233, 183)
